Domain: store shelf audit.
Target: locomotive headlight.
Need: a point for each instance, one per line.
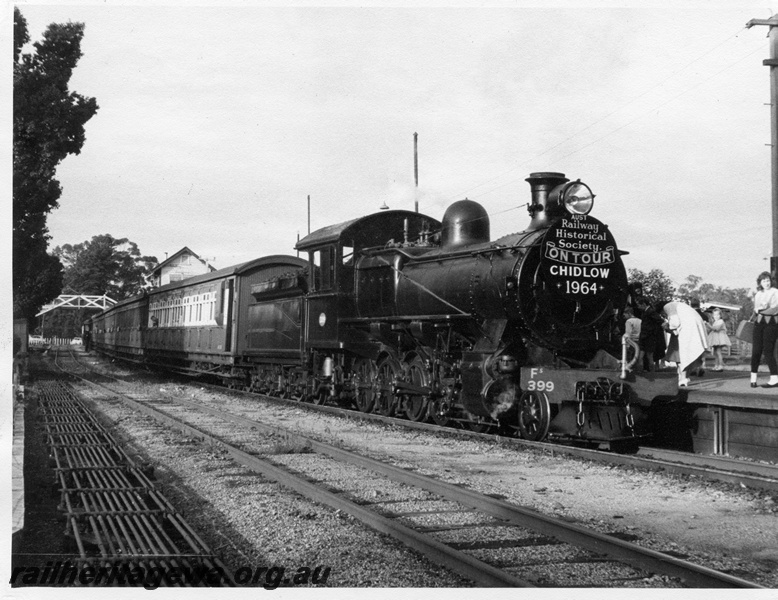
(577, 198)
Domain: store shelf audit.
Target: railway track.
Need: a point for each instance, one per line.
(749, 474)
(491, 542)
(759, 476)
(118, 520)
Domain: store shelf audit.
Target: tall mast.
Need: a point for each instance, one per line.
(772, 62)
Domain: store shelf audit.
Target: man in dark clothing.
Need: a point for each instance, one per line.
(695, 304)
(652, 337)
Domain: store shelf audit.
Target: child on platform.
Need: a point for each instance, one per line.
(718, 339)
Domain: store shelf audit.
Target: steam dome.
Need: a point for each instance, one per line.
(465, 223)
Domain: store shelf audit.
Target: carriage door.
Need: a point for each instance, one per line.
(228, 309)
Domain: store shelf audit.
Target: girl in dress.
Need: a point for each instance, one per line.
(717, 339)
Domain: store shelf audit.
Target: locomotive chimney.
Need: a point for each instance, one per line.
(541, 185)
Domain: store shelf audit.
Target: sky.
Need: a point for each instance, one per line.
(217, 121)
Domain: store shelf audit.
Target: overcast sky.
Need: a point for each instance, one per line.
(216, 122)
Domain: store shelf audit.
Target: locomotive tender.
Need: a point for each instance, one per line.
(398, 313)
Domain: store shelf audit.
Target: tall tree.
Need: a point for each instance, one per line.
(105, 265)
(48, 125)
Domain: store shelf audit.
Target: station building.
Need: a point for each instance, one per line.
(182, 265)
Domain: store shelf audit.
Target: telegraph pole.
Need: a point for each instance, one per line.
(772, 62)
(416, 169)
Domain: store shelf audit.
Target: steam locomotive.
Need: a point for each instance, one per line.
(400, 314)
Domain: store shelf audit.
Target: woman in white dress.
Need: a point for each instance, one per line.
(688, 339)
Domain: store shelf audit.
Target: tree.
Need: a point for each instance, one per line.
(105, 265)
(48, 125)
(694, 287)
(656, 285)
(37, 279)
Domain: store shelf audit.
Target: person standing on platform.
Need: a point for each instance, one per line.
(695, 304)
(635, 299)
(765, 328)
(688, 339)
(718, 339)
(652, 336)
(632, 338)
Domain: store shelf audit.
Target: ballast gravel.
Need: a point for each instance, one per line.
(256, 523)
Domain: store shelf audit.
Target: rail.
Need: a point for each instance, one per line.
(504, 513)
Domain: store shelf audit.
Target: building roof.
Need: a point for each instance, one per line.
(184, 250)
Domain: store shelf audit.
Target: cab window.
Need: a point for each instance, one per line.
(323, 268)
(347, 255)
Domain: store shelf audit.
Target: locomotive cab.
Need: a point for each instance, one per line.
(338, 267)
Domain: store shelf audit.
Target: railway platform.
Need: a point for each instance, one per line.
(730, 418)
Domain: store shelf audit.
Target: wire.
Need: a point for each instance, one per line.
(598, 121)
(659, 106)
(686, 237)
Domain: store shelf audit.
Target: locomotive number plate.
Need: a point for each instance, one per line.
(534, 380)
(540, 386)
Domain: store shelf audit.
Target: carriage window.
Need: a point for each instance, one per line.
(348, 255)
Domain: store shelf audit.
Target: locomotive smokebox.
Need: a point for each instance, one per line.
(539, 209)
(465, 222)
